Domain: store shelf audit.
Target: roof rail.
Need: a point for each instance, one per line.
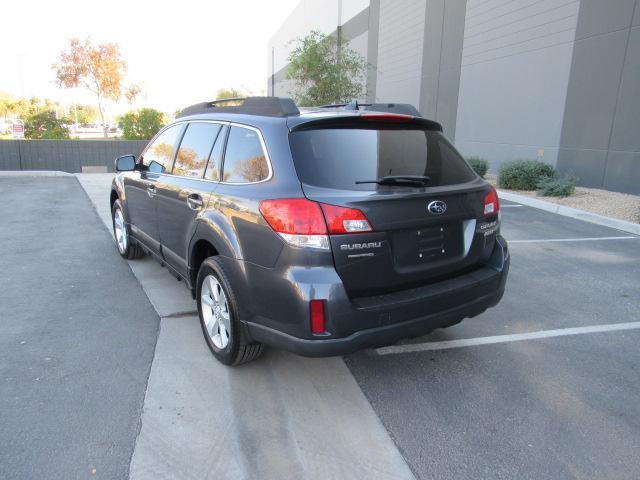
(266, 106)
(403, 108)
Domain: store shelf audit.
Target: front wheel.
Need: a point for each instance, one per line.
(217, 308)
(126, 248)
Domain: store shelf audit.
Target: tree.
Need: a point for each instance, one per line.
(98, 68)
(324, 71)
(132, 92)
(85, 113)
(141, 124)
(224, 93)
(22, 107)
(45, 125)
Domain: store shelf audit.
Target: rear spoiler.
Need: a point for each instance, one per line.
(400, 108)
(365, 119)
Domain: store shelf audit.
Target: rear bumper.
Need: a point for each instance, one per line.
(385, 319)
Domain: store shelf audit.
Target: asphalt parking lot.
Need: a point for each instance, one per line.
(73, 366)
(71, 396)
(562, 407)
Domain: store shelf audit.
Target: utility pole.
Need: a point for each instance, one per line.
(273, 71)
(19, 57)
(339, 32)
(339, 39)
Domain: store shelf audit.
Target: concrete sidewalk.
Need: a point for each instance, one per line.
(280, 417)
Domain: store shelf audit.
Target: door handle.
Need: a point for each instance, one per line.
(195, 201)
(151, 191)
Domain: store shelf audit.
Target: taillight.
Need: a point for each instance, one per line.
(491, 203)
(294, 215)
(345, 220)
(316, 312)
(298, 221)
(387, 117)
(304, 223)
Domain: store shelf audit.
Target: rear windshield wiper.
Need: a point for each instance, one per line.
(399, 180)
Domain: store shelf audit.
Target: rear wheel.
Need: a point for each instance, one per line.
(217, 308)
(126, 248)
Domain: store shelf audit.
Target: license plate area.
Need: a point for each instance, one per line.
(427, 245)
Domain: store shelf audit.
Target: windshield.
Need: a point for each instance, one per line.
(340, 157)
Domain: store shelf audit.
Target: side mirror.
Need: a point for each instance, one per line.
(125, 163)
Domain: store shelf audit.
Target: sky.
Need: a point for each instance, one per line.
(180, 53)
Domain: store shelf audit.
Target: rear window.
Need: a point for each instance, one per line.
(338, 157)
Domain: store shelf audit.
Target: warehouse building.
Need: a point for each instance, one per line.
(557, 80)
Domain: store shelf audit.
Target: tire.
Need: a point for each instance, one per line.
(218, 312)
(121, 233)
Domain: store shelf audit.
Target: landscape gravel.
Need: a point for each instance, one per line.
(623, 206)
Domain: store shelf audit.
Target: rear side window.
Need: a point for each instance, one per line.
(195, 148)
(244, 159)
(339, 157)
(159, 155)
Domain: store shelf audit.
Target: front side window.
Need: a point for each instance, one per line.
(159, 155)
(244, 159)
(195, 148)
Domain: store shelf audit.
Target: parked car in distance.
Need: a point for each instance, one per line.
(321, 231)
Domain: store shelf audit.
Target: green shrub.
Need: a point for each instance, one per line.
(46, 125)
(479, 165)
(523, 174)
(141, 124)
(560, 186)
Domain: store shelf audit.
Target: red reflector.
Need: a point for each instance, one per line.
(297, 216)
(387, 117)
(316, 308)
(345, 220)
(491, 202)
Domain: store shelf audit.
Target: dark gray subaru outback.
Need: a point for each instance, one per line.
(320, 231)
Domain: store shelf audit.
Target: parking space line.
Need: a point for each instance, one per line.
(510, 206)
(586, 239)
(517, 337)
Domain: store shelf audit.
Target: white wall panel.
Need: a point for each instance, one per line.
(516, 62)
(351, 8)
(400, 43)
(309, 15)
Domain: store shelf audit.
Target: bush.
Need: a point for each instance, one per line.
(479, 165)
(142, 124)
(46, 126)
(562, 186)
(523, 174)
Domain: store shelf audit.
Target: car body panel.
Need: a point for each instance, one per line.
(176, 217)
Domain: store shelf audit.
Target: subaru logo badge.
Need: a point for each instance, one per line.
(437, 207)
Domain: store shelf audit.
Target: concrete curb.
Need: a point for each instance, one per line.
(34, 173)
(622, 225)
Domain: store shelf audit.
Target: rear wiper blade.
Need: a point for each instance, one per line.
(399, 179)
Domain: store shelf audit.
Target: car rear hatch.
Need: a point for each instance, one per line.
(421, 230)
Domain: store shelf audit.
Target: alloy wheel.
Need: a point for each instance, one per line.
(120, 231)
(215, 311)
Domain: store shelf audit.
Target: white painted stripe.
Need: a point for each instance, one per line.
(510, 206)
(586, 239)
(517, 337)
